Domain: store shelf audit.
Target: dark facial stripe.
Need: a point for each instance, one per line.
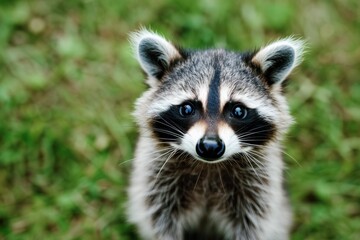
(213, 101)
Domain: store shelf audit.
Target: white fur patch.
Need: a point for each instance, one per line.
(225, 94)
(163, 104)
(203, 92)
(232, 144)
(192, 137)
(176, 98)
(248, 99)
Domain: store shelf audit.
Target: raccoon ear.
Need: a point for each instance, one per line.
(278, 59)
(154, 53)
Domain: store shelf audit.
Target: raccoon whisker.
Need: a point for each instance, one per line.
(168, 158)
(287, 154)
(253, 132)
(159, 159)
(194, 163)
(258, 145)
(163, 131)
(260, 166)
(168, 132)
(164, 140)
(258, 163)
(167, 123)
(170, 124)
(165, 152)
(250, 125)
(221, 181)
(260, 170)
(260, 155)
(233, 163)
(246, 154)
(272, 148)
(236, 159)
(249, 160)
(292, 158)
(199, 175)
(126, 161)
(175, 133)
(160, 149)
(182, 155)
(156, 156)
(147, 155)
(252, 142)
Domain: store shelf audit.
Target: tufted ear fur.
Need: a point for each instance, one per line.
(278, 59)
(154, 53)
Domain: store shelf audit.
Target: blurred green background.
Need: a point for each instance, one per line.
(68, 81)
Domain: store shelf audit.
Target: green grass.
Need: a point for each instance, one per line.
(67, 86)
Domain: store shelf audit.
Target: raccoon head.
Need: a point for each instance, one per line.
(214, 104)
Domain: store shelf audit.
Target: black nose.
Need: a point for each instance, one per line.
(210, 148)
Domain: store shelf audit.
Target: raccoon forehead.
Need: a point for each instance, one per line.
(191, 80)
(250, 99)
(164, 100)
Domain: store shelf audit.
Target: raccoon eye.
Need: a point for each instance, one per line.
(186, 109)
(239, 112)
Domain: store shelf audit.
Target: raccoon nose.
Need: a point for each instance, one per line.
(210, 148)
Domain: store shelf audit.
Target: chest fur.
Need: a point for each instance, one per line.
(233, 189)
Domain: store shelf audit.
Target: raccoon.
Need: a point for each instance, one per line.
(208, 162)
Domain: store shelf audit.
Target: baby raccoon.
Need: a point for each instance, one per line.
(208, 162)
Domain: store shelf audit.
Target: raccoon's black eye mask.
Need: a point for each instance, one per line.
(248, 124)
(172, 124)
(233, 110)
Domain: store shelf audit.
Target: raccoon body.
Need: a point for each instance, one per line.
(208, 161)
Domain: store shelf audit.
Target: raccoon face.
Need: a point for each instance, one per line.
(214, 104)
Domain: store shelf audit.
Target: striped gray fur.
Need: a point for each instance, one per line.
(208, 99)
